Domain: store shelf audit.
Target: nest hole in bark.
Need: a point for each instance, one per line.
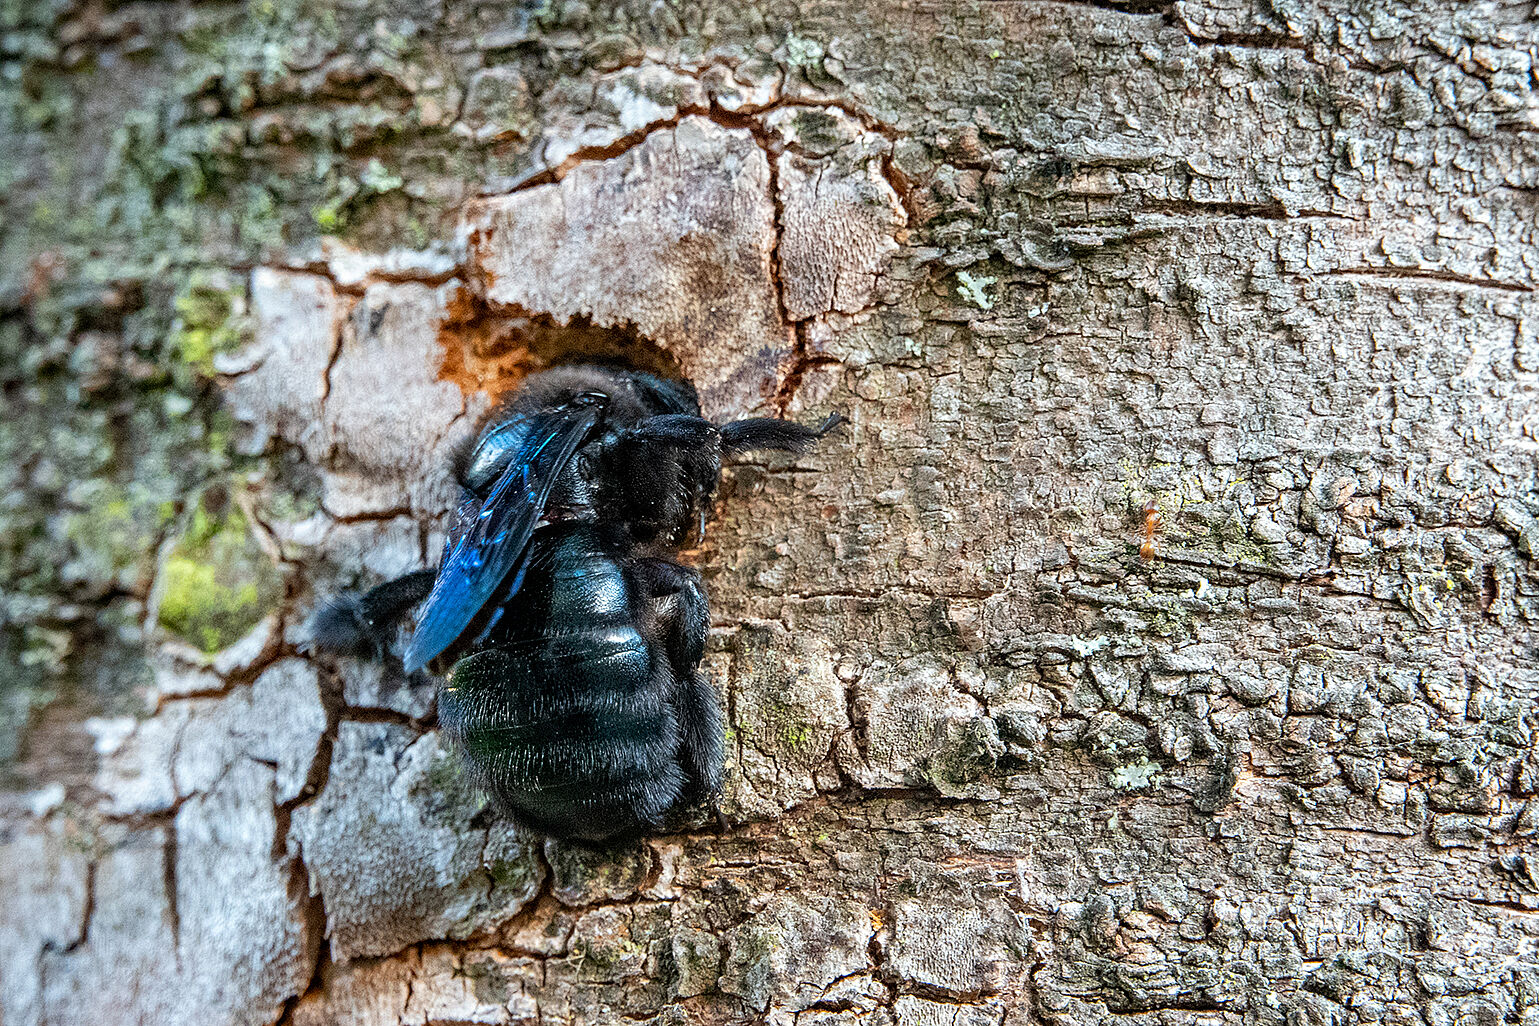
(491, 348)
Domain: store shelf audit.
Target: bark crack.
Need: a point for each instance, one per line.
(748, 118)
(1430, 275)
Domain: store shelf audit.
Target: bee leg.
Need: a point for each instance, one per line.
(658, 444)
(354, 625)
(661, 473)
(673, 429)
(684, 620)
(678, 596)
(700, 712)
(768, 433)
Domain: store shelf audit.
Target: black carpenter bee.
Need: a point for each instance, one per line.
(570, 635)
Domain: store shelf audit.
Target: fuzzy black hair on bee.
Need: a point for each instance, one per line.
(567, 633)
(359, 625)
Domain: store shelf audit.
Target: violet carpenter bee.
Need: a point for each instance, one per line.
(569, 634)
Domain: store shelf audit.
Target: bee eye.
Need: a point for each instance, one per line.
(493, 453)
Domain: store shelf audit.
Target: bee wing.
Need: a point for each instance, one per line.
(490, 541)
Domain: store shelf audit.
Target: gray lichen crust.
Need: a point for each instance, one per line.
(1159, 639)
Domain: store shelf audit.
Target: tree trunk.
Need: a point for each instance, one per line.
(1156, 639)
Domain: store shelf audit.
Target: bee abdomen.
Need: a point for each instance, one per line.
(573, 735)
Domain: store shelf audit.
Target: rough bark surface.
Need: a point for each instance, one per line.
(1157, 640)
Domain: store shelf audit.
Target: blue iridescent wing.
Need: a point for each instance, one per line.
(488, 544)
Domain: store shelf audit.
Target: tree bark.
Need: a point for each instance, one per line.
(1157, 639)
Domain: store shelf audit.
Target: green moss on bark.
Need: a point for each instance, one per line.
(217, 584)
